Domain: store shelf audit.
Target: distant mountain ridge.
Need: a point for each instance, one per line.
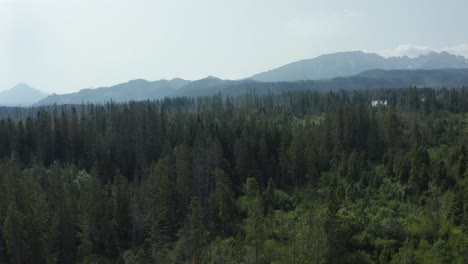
(132, 90)
(343, 70)
(143, 90)
(22, 94)
(208, 86)
(343, 64)
(437, 78)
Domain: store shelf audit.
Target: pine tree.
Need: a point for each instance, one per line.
(224, 200)
(198, 235)
(157, 203)
(121, 209)
(269, 199)
(15, 235)
(253, 223)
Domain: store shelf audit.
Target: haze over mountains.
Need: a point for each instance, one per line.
(344, 64)
(343, 70)
(21, 94)
(369, 79)
(211, 86)
(132, 90)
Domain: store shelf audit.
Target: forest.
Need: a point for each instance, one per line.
(290, 177)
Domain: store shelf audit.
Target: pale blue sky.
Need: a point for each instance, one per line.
(65, 45)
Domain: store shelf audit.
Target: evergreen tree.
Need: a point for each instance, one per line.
(225, 201)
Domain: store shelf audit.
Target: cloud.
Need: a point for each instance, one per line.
(405, 50)
(413, 51)
(461, 49)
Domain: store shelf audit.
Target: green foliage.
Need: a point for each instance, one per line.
(225, 201)
(298, 177)
(197, 234)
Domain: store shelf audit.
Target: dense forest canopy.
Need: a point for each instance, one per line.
(292, 177)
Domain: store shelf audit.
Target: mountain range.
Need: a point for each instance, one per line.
(342, 70)
(21, 95)
(132, 90)
(366, 80)
(350, 63)
(141, 89)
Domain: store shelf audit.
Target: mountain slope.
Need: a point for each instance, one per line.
(142, 90)
(344, 64)
(132, 90)
(430, 78)
(209, 86)
(366, 80)
(21, 94)
(435, 78)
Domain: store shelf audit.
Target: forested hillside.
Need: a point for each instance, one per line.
(291, 177)
(144, 90)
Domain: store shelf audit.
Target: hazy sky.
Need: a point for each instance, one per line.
(65, 45)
